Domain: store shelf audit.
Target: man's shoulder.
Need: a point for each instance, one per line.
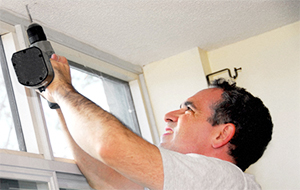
(202, 171)
(194, 158)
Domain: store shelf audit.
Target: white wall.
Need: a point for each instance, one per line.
(271, 70)
(171, 81)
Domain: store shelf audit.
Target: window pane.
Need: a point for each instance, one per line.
(58, 141)
(88, 86)
(110, 94)
(8, 138)
(72, 182)
(91, 87)
(120, 102)
(22, 185)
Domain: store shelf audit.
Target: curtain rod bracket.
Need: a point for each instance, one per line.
(226, 69)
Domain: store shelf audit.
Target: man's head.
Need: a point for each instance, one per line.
(188, 129)
(252, 120)
(224, 121)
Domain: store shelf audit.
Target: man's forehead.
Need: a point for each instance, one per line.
(211, 92)
(210, 95)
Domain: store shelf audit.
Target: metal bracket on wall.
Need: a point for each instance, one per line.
(229, 73)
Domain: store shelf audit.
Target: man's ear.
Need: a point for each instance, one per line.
(224, 135)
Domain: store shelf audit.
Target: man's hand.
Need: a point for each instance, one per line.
(61, 81)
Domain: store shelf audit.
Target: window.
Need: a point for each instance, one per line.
(29, 150)
(8, 137)
(24, 185)
(11, 136)
(111, 94)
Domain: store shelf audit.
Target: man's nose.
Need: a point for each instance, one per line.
(173, 115)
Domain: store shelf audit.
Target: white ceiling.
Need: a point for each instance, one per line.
(143, 31)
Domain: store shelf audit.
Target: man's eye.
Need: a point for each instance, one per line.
(188, 108)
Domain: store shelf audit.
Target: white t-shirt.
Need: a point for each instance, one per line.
(194, 171)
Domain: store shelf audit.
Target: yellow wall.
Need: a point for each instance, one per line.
(171, 81)
(270, 70)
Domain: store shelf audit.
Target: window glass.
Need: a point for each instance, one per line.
(111, 94)
(72, 182)
(120, 102)
(8, 137)
(22, 185)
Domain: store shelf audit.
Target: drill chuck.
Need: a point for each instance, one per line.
(35, 33)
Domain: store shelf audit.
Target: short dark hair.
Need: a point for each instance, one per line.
(251, 118)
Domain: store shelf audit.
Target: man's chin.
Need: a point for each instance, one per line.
(161, 144)
(165, 145)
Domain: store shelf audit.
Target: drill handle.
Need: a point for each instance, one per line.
(53, 105)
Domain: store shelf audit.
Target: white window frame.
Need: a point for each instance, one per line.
(39, 164)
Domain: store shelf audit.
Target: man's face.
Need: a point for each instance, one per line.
(188, 130)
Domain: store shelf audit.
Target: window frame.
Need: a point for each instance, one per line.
(11, 99)
(39, 159)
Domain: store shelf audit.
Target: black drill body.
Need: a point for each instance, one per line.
(32, 65)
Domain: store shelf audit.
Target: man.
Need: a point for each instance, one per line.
(208, 142)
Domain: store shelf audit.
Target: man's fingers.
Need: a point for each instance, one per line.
(54, 57)
(58, 58)
(62, 59)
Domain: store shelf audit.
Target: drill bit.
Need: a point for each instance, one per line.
(29, 15)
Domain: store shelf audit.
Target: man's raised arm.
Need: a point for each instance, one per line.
(103, 136)
(98, 175)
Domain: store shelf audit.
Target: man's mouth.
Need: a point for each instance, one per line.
(168, 131)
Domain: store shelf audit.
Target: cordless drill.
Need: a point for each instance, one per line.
(32, 65)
